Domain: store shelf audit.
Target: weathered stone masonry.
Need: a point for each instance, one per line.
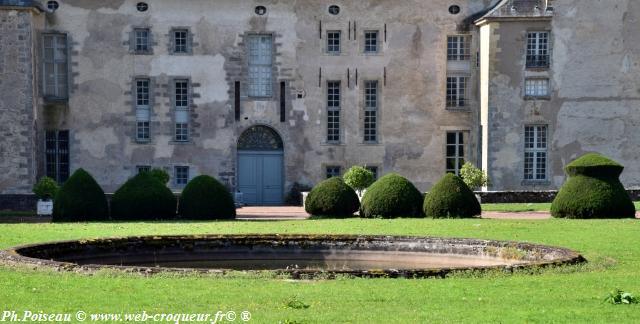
(589, 105)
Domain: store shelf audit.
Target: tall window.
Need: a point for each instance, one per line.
(538, 49)
(57, 155)
(55, 80)
(535, 152)
(455, 152)
(371, 41)
(181, 103)
(142, 40)
(459, 48)
(260, 66)
(181, 175)
(457, 88)
(371, 111)
(333, 42)
(143, 168)
(333, 171)
(180, 41)
(374, 170)
(536, 87)
(333, 111)
(142, 109)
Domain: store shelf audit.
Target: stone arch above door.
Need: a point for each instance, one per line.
(260, 138)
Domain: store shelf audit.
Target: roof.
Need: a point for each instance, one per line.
(519, 8)
(21, 3)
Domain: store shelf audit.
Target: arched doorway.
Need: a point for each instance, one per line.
(260, 166)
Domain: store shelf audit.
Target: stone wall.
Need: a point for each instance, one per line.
(17, 96)
(410, 67)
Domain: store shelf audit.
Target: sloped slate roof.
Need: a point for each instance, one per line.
(519, 8)
(22, 3)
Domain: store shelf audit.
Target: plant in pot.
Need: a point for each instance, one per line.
(359, 178)
(474, 177)
(45, 190)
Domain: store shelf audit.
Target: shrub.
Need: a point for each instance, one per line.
(451, 198)
(358, 178)
(160, 175)
(46, 188)
(390, 197)
(206, 198)
(294, 197)
(80, 199)
(473, 177)
(593, 190)
(143, 197)
(332, 197)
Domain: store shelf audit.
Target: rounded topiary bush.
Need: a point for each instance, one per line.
(451, 198)
(390, 197)
(593, 190)
(80, 199)
(332, 197)
(206, 198)
(143, 197)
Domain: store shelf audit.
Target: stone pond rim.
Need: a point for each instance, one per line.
(303, 256)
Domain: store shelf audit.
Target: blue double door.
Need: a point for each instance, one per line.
(260, 177)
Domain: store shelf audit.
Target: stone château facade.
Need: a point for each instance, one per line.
(262, 94)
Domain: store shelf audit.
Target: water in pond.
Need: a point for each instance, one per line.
(295, 259)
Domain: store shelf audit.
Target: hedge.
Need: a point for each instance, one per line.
(390, 197)
(332, 197)
(206, 198)
(143, 197)
(451, 198)
(80, 199)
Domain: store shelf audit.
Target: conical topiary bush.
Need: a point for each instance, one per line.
(593, 190)
(206, 198)
(451, 198)
(332, 197)
(143, 197)
(80, 199)
(391, 196)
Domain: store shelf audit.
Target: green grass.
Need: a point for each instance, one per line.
(517, 207)
(571, 294)
(525, 207)
(16, 213)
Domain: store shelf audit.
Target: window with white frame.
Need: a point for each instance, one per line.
(371, 41)
(55, 59)
(535, 152)
(538, 49)
(333, 111)
(459, 48)
(180, 41)
(455, 152)
(536, 87)
(142, 109)
(333, 41)
(142, 41)
(333, 171)
(457, 91)
(260, 65)
(181, 105)
(57, 155)
(181, 175)
(371, 111)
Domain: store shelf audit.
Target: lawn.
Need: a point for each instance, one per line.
(571, 294)
(525, 207)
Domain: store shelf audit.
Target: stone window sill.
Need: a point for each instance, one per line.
(536, 183)
(533, 98)
(459, 109)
